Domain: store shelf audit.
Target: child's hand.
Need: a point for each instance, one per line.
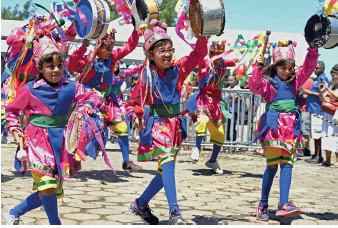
(138, 125)
(326, 86)
(261, 60)
(89, 109)
(85, 42)
(17, 135)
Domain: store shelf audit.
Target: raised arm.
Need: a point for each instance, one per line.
(133, 71)
(120, 53)
(188, 63)
(16, 38)
(308, 68)
(77, 60)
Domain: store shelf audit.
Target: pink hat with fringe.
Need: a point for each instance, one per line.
(159, 33)
(284, 49)
(44, 47)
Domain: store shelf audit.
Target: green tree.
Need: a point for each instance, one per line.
(167, 12)
(15, 14)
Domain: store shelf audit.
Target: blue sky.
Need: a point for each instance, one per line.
(276, 15)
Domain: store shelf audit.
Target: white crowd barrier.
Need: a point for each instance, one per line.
(249, 109)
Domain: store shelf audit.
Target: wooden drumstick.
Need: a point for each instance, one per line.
(21, 143)
(268, 32)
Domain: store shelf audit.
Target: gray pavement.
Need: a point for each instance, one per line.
(97, 196)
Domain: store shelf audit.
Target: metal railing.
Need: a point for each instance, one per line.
(247, 109)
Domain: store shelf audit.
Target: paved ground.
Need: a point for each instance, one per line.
(96, 196)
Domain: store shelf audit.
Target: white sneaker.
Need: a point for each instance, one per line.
(195, 154)
(10, 219)
(215, 167)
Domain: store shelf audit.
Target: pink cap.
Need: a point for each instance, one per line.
(280, 52)
(44, 47)
(158, 33)
(109, 38)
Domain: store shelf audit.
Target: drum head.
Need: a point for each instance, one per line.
(317, 31)
(87, 9)
(142, 12)
(196, 17)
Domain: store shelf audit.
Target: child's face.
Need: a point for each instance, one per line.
(285, 71)
(216, 61)
(52, 71)
(232, 81)
(162, 56)
(105, 50)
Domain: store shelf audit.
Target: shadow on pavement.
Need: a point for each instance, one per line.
(209, 172)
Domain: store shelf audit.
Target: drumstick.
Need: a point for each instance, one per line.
(21, 143)
(268, 32)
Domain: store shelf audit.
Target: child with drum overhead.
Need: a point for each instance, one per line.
(47, 100)
(207, 106)
(162, 127)
(97, 73)
(279, 126)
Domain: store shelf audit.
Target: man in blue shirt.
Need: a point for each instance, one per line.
(313, 105)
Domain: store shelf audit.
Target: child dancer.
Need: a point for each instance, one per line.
(97, 73)
(279, 126)
(20, 62)
(207, 106)
(164, 128)
(47, 100)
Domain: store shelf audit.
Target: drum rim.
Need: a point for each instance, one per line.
(103, 30)
(223, 22)
(306, 34)
(92, 30)
(326, 45)
(201, 13)
(158, 13)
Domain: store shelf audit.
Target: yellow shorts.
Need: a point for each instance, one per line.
(43, 182)
(217, 132)
(120, 129)
(164, 159)
(276, 156)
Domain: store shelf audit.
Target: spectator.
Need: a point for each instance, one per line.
(313, 105)
(122, 64)
(329, 144)
(229, 96)
(305, 119)
(132, 66)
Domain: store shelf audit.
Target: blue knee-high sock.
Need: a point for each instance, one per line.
(199, 141)
(128, 126)
(153, 188)
(215, 153)
(168, 178)
(268, 176)
(124, 144)
(30, 203)
(50, 205)
(285, 182)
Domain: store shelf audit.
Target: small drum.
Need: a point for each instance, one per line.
(143, 11)
(207, 17)
(322, 32)
(98, 16)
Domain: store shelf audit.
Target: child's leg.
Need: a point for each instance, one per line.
(285, 182)
(201, 129)
(273, 158)
(153, 188)
(168, 178)
(215, 153)
(268, 177)
(124, 145)
(328, 157)
(50, 205)
(30, 203)
(217, 135)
